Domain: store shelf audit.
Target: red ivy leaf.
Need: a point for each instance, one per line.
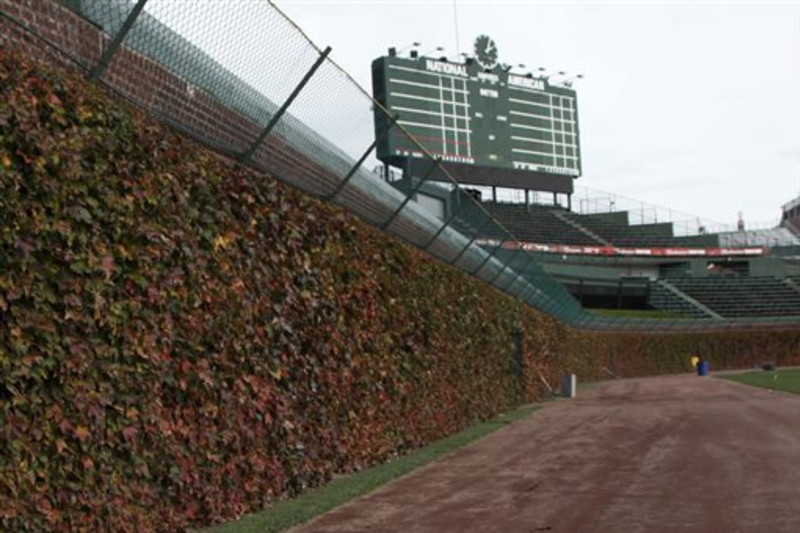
(130, 433)
(108, 266)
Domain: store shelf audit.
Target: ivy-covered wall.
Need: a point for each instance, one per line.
(183, 340)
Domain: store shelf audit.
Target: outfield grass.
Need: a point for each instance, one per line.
(290, 513)
(785, 380)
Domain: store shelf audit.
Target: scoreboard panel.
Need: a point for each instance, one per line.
(471, 115)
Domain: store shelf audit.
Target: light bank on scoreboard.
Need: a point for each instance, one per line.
(489, 126)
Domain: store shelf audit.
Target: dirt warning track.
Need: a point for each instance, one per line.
(678, 453)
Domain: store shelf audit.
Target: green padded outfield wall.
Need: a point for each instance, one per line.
(477, 114)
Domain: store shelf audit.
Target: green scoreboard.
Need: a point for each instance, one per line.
(488, 125)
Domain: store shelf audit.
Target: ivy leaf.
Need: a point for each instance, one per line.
(61, 445)
(107, 265)
(130, 433)
(79, 267)
(81, 214)
(82, 433)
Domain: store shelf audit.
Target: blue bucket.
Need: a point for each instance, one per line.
(702, 368)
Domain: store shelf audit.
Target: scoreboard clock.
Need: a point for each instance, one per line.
(488, 126)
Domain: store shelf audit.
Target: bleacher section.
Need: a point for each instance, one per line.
(538, 224)
(761, 237)
(550, 225)
(790, 220)
(661, 297)
(786, 251)
(614, 228)
(739, 296)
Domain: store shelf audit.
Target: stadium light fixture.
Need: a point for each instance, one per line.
(539, 72)
(437, 49)
(570, 81)
(554, 74)
(463, 56)
(415, 44)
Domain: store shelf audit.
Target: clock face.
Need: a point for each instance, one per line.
(486, 51)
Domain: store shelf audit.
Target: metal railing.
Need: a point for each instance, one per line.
(243, 79)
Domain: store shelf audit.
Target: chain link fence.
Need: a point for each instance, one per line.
(242, 78)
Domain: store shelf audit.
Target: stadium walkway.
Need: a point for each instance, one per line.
(678, 453)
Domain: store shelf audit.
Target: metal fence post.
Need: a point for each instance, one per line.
(115, 43)
(409, 196)
(439, 231)
(524, 294)
(247, 154)
(473, 239)
(488, 257)
(447, 221)
(530, 298)
(352, 172)
(521, 273)
(510, 260)
(508, 264)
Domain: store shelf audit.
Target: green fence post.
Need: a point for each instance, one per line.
(342, 184)
(488, 257)
(524, 294)
(447, 221)
(510, 260)
(439, 231)
(409, 196)
(108, 54)
(473, 239)
(247, 154)
(519, 274)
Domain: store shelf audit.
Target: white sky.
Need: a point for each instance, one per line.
(693, 106)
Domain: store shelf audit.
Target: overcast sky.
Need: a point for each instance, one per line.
(693, 106)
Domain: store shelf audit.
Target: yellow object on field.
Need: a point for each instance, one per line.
(694, 360)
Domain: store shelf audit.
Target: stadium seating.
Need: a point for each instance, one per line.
(786, 251)
(551, 225)
(661, 297)
(614, 228)
(736, 296)
(538, 224)
(772, 238)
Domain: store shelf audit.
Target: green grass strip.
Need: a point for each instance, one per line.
(784, 380)
(286, 514)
